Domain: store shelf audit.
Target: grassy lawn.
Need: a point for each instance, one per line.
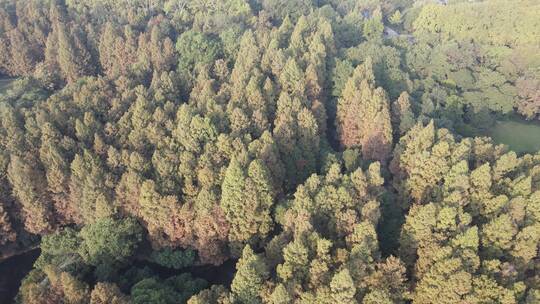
(520, 136)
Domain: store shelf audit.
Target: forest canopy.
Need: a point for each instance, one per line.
(331, 150)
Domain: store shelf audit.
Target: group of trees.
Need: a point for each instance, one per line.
(314, 141)
(479, 56)
(471, 232)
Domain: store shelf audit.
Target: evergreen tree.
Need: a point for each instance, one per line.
(342, 287)
(73, 58)
(107, 293)
(250, 276)
(247, 198)
(402, 115)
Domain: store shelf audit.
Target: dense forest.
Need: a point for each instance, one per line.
(330, 149)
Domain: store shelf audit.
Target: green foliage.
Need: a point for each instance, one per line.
(396, 18)
(455, 231)
(55, 248)
(195, 48)
(170, 258)
(342, 287)
(457, 20)
(311, 139)
(109, 241)
(280, 9)
(177, 289)
(247, 200)
(340, 74)
(249, 278)
(373, 27)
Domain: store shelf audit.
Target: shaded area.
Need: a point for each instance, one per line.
(220, 275)
(520, 135)
(12, 271)
(214, 275)
(4, 83)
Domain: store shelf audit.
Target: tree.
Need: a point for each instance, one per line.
(7, 234)
(402, 115)
(363, 115)
(107, 47)
(152, 290)
(176, 259)
(292, 78)
(374, 27)
(189, 133)
(298, 137)
(214, 295)
(55, 162)
(73, 59)
(195, 48)
(280, 9)
(176, 289)
(388, 284)
(251, 273)
(247, 198)
(529, 98)
(88, 187)
(342, 287)
(107, 293)
(341, 72)
(22, 59)
(29, 186)
(59, 250)
(107, 242)
(396, 18)
(453, 235)
(157, 210)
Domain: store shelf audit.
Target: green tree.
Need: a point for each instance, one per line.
(108, 242)
(402, 116)
(374, 26)
(170, 258)
(342, 287)
(195, 48)
(107, 293)
(251, 273)
(176, 289)
(74, 59)
(247, 198)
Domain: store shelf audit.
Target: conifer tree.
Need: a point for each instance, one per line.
(342, 288)
(73, 57)
(402, 115)
(29, 187)
(246, 200)
(250, 276)
(363, 115)
(107, 293)
(7, 234)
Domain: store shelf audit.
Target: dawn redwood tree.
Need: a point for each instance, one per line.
(363, 115)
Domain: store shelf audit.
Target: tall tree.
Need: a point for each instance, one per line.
(251, 274)
(29, 187)
(363, 115)
(247, 199)
(402, 115)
